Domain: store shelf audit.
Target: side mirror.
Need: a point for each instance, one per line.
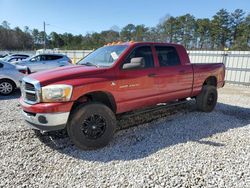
(135, 63)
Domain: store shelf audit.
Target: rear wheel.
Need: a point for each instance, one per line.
(91, 126)
(7, 87)
(207, 99)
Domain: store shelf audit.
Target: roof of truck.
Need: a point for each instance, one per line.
(145, 43)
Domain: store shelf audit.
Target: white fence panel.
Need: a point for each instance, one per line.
(237, 63)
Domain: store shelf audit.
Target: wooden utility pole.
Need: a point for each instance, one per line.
(44, 35)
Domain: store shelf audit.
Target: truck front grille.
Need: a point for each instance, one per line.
(29, 87)
(31, 97)
(30, 90)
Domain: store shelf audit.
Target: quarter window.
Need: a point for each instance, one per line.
(167, 56)
(52, 57)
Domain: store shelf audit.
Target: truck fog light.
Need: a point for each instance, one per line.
(42, 119)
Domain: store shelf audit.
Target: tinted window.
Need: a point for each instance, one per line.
(146, 53)
(1, 65)
(167, 56)
(24, 56)
(13, 59)
(43, 58)
(52, 57)
(36, 58)
(20, 55)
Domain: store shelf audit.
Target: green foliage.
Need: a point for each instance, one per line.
(202, 31)
(224, 30)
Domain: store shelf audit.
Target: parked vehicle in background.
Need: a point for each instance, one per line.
(112, 80)
(14, 57)
(10, 77)
(2, 55)
(45, 62)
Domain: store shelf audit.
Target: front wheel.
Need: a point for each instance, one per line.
(91, 126)
(207, 99)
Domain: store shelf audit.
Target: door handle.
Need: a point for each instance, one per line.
(152, 75)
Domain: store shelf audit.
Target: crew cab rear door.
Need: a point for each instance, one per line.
(136, 87)
(174, 79)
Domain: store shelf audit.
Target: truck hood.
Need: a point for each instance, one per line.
(65, 73)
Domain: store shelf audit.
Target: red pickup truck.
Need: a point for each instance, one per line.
(114, 79)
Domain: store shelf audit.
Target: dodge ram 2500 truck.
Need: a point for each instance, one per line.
(85, 98)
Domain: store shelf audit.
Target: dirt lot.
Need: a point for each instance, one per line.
(179, 147)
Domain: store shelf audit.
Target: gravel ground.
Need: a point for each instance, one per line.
(170, 148)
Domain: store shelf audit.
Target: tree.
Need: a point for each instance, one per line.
(36, 39)
(115, 28)
(168, 29)
(186, 30)
(41, 37)
(152, 34)
(223, 30)
(128, 33)
(202, 33)
(140, 32)
(110, 36)
(220, 29)
(5, 24)
(56, 40)
(237, 27)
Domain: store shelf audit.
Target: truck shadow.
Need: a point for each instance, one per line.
(158, 130)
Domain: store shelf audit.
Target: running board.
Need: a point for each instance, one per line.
(151, 109)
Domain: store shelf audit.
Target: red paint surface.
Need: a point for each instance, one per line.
(169, 83)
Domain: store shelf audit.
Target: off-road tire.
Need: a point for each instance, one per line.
(80, 118)
(207, 99)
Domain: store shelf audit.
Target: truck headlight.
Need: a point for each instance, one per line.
(56, 93)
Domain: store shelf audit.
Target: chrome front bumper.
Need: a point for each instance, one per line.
(46, 121)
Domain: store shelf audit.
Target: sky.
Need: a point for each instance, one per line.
(87, 16)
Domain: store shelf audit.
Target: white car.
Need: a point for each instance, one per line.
(10, 77)
(14, 57)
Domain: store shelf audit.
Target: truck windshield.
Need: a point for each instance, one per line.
(104, 56)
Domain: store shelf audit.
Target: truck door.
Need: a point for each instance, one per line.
(174, 80)
(136, 87)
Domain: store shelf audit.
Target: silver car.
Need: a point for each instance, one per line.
(10, 76)
(45, 62)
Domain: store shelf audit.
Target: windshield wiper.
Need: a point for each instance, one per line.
(90, 64)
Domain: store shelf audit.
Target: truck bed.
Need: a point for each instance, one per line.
(203, 70)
